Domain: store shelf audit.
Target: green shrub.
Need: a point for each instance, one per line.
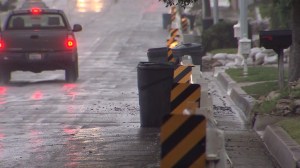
(219, 36)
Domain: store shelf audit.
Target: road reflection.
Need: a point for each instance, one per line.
(37, 144)
(3, 91)
(37, 95)
(153, 7)
(89, 5)
(2, 136)
(72, 149)
(69, 89)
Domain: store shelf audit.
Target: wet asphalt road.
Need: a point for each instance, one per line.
(45, 122)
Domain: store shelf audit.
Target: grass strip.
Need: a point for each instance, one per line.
(292, 127)
(261, 89)
(255, 74)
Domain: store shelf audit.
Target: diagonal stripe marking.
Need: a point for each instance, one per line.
(171, 126)
(200, 162)
(177, 90)
(194, 97)
(185, 145)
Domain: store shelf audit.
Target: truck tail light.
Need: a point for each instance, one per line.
(1, 43)
(70, 42)
(36, 11)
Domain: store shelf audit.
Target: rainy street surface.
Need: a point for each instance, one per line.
(95, 122)
(45, 122)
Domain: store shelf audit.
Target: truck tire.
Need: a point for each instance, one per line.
(5, 76)
(71, 72)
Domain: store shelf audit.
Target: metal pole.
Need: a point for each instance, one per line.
(243, 4)
(243, 18)
(245, 73)
(216, 11)
(280, 69)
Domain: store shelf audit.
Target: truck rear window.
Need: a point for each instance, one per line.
(29, 21)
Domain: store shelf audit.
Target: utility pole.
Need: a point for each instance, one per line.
(244, 42)
(216, 11)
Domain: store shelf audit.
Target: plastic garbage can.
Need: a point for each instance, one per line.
(166, 18)
(192, 49)
(192, 20)
(154, 85)
(159, 55)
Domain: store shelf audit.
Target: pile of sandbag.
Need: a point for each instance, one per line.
(257, 56)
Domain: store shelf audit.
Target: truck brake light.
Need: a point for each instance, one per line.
(36, 11)
(70, 43)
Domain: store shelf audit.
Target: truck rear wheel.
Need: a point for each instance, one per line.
(5, 76)
(71, 73)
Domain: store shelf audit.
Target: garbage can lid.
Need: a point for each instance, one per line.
(158, 49)
(187, 46)
(155, 65)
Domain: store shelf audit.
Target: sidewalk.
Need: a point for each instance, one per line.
(247, 147)
(264, 145)
(243, 145)
(280, 145)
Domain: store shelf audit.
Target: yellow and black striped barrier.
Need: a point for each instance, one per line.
(174, 33)
(184, 24)
(182, 74)
(170, 56)
(185, 96)
(183, 140)
(173, 13)
(172, 42)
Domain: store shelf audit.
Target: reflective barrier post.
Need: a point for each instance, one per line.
(183, 140)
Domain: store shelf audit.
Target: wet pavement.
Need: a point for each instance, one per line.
(94, 122)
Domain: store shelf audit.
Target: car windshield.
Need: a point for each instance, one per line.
(41, 21)
(34, 4)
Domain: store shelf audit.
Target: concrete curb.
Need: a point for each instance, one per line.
(239, 96)
(280, 145)
(283, 148)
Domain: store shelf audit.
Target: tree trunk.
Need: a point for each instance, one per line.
(294, 60)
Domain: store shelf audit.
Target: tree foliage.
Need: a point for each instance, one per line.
(219, 36)
(182, 3)
(281, 14)
(7, 5)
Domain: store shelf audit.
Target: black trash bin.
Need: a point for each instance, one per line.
(159, 55)
(154, 84)
(192, 20)
(192, 49)
(166, 18)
